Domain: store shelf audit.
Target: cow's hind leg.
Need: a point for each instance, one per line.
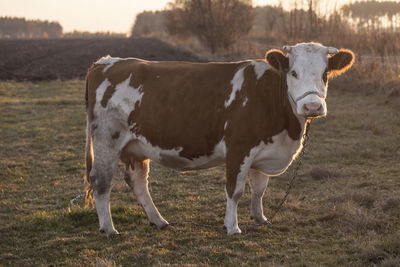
(101, 174)
(136, 177)
(258, 183)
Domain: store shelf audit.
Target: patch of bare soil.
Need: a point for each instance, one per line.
(36, 60)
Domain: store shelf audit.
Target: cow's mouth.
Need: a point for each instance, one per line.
(314, 116)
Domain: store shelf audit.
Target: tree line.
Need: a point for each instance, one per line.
(217, 24)
(20, 28)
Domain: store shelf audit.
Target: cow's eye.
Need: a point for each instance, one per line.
(294, 74)
(325, 76)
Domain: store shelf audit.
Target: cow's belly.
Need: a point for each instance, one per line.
(141, 149)
(274, 158)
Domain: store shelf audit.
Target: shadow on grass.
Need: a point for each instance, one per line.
(73, 220)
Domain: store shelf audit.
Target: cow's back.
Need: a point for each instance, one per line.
(181, 103)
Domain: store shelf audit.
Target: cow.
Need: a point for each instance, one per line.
(249, 115)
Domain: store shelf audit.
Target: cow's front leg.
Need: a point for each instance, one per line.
(235, 184)
(136, 177)
(258, 183)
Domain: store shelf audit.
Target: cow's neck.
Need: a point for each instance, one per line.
(283, 117)
(295, 125)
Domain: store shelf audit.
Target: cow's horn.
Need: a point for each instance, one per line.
(332, 50)
(287, 48)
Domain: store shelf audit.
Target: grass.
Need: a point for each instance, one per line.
(344, 208)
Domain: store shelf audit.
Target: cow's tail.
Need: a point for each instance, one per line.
(88, 157)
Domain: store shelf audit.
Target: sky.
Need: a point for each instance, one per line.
(87, 15)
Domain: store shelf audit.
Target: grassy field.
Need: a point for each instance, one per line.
(344, 208)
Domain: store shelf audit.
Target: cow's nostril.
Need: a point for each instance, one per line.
(312, 108)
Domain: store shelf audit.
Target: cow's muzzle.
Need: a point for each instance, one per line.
(313, 110)
(311, 107)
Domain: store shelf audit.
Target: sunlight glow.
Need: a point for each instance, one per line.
(88, 15)
(94, 15)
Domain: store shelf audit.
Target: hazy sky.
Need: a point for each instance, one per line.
(87, 15)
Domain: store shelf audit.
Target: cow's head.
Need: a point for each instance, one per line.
(308, 67)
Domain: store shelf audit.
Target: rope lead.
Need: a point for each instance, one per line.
(296, 169)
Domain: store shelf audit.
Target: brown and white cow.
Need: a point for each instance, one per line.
(250, 115)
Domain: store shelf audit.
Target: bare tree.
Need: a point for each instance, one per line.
(148, 22)
(216, 23)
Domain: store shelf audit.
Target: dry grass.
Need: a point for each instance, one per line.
(344, 208)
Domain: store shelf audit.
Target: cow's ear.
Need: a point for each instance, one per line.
(277, 59)
(340, 62)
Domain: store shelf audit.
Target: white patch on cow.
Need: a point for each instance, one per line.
(109, 61)
(142, 148)
(226, 124)
(132, 126)
(260, 67)
(245, 102)
(125, 96)
(156, 153)
(101, 89)
(309, 61)
(231, 221)
(217, 156)
(274, 158)
(237, 83)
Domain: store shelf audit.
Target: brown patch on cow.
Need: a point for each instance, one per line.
(277, 59)
(131, 119)
(325, 77)
(128, 160)
(340, 62)
(107, 95)
(121, 71)
(93, 127)
(94, 78)
(187, 111)
(115, 135)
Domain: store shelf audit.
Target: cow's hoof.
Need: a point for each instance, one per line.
(165, 226)
(161, 226)
(110, 234)
(233, 230)
(113, 235)
(260, 220)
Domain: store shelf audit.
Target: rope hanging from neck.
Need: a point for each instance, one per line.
(295, 170)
